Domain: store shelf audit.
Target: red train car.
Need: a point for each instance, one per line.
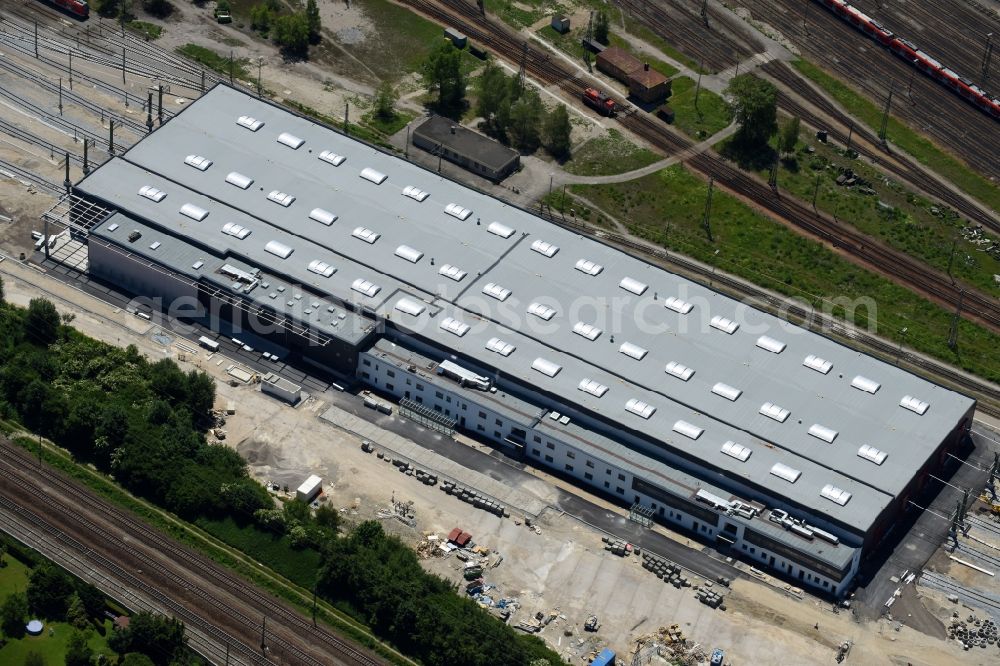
(600, 102)
(76, 7)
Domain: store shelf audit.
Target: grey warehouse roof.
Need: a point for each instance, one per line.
(465, 142)
(666, 320)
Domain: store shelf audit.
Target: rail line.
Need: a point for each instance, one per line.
(28, 137)
(24, 174)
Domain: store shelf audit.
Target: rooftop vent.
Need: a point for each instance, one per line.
(198, 264)
(592, 387)
(737, 451)
(366, 287)
(239, 180)
(454, 326)
(455, 210)
(822, 432)
(496, 291)
(724, 324)
(194, 212)
(913, 404)
(783, 471)
(366, 234)
(237, 230)
(290, 140)
(452, 272)
(155, 245)
(546, 367)
(588, 267)
(544, 248)
(500, 229)
(640, 408)
(588, 331)
(688, 429)
(198, 162)
(726, 391)
(770, 344)
(322, 216)
(633, 351)
(865, 384)
(869, 452)
(772, 411)
(818, 364)
(500, 347)
(280, 198)
(152, 193)
(541, 311)
(409, 306)
(408, 253)
(113, 226)
(278, 249)
(677, 305)
(682, 372)
(250, 123)
(321, 268)
(372, 175)
(332, 158)
(414, 193)
(835, 494)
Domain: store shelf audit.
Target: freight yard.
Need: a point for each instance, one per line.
(530, 542)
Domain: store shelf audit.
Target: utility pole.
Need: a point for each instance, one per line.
(111, 136)
(850, 136)
(406, 146)
(953, 334)
(123, 71)
(314, 604)
(230, 67)
(66, 182)
(36, 39)
(482, 7)
(347, 111)
(70, 70)
(885, 113)
(86, 161)
(772, 177)
(706, 221)
(149, 112)
(159, 103)
(909, 86)
(524, 61)
(260, 62)
(697, 89)
(902, 339)
(263, 633)
(951, 258)
(203, 81)
(815, 193)
(704, 12)
(984, 72)
(60, 96)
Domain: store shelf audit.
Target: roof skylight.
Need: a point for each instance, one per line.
(546, 367)
(634, 286)
(452, 272)
(773, 411)
(869, 452)
(640, 408)
(278, 249)
(500, 229)
(365, 287)
(588, 331)
(280, 198)
(770, 344)
(738, 451)
(366, 234)
(688, 429)
(588, 267)
(321, 268)
(373, 176)
(455, 210)
(408, 253)
(818, 364)
(783, 471)
(409, 306)
(913, 404)
(500, 347)
(865, 384)
(454, 326)
(677, 305)
(633, 351)
(726, 391)
(496, 291)
(290, 140)
(682, 372)
(415, 193)
(822, 432)
(194, 212)
(237, 230)
(331, 157)
(322, 216)
(152, 193)
(592, 387)
(544, 248)
(835, 494)
(541, 311)
(724, 324)
(239, 180)
(198, 162)
(250, 123)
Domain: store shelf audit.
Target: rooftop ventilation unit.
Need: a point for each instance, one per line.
(500, 347)
(541, 311)
(593, 388)
(494, 290)
(640, 408)
(112, 227)
(688, 429)
(290, 140)
(634, 286)
(414, 193)
(322, 216)
(372, 175)
(194, 212)
(865, 384)
(682, 372)
(726, 391)
(239, 180)
(408, 253)
(822, 432)
(454, 326)
(737, 451)
(772, 411)
(410, 307)
(280, 198)
(452, 272)
(783, 471)
(250, 123)
(331, 157)
(770, 344)
(633, 351)
(544, 248)
(198, 162)
(677, 305)
(366, 234)
(869, 452)
(198, 264)
(835, 494)
(818, 364)
(588, 267)
(321, 268)
(236, 230)
(546, 367)
(152, 193)
(724, 324)
(455, 210)
(155, 245)
(588, 331)
(278, 249)
(500, 229)
(913, 404)
(362, 286)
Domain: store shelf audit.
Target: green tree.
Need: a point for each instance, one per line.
(92, 598)
(76, 613)
(491, 93)
(602, 27)
(385, 100)
(313, 20)
(42, 322)
(756, 104)
(788, 136)
(261, 18)
(13, 613)
(297, 512)
(78, 653)
(525, 121)
(443, 76)
(244, 497)
(557, 132)
(48, 591)
(328, 517)
(291, 33)
(34, 659)
(161, 8)
(159, 638)
(136, 659)
(199, 394)
(1, 290)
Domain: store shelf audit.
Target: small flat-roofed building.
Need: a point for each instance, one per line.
(617, 62)
(456, 37)
(466, 148)
(648, 85)
(281, 388)
(309, 489)
(560, 23)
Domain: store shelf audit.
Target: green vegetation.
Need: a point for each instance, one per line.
(216, 62)
(755, 103)
(663, 68)
(608, 155)
(444, 78)
(363, 132)
(667, 208)
(513, 12)
(920, 147)
(711, 115)
(601, 27)
(634, 27)
(568, 42)
(149, 31)
(514, 114)
(292, 31)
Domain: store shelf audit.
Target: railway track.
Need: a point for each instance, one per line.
(28, 137)
(216, 590)
(20, 173)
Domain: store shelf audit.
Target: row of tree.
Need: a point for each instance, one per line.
(292, 31)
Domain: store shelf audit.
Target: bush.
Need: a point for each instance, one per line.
(291, 33)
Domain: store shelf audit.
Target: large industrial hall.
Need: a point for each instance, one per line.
(773, 442)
